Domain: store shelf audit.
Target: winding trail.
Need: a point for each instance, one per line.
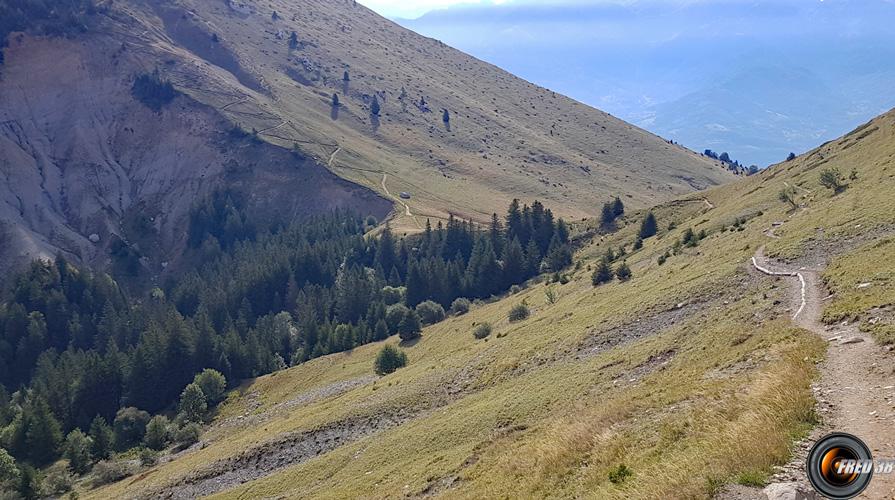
(332, 157)
(856, 389)
(407, 211)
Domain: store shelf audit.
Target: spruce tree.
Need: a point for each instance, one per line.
(648, 227)
(623, 272)
(607, 216)
(335, 100)
(618, 208)
(77, 451)
(602, 274)
(193, 404)
(43, 434)
(101, 437)
(410, 327)
(375, 108)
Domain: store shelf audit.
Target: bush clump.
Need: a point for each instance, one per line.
(519, 312)
(109, 471)
(187, 435)
(389, 359)
(482, 330)
(619, 474)
(430, 312)
(460, 306)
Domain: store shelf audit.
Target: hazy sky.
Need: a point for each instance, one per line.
(415, 8)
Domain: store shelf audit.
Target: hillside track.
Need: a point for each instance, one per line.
(855, 392)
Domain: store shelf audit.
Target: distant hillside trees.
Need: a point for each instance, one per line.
(611, 211)
(258, 297)
(649, 227)
(375, 108)
(153, 91)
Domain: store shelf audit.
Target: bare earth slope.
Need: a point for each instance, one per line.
(79, 156)
(669, 374)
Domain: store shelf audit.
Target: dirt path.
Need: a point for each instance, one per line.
(332, 157)
(407, 211)
(856, 390)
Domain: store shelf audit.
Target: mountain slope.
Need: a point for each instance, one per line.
(649, 388)
(506, 138)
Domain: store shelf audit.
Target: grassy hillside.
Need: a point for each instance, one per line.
(669, 374)
(506, 138)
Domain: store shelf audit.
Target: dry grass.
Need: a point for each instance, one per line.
(521, 414)
(508, 138)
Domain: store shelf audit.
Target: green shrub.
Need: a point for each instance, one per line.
(58, 479)
(623, 272)
(187, 435)
(129, 427)
(393, 294)
(602, 274)
(831, 178)
(394, 315)
(482, 330)
(410, 327)
(519, 312)
(110, 471)
(193, 404)
(619, 474)
(157, 433)
(430, 312)
(213, 385)
(148, 457)
(389, 359)
(460, 306)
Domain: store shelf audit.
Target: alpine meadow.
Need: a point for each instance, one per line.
(291, 249)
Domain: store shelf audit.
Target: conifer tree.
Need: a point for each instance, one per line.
(648, 227)
(618, 208)
(623, 272)
(101, 438)
(193, 404)
(410, 327)
(43, 434)
(602, 274)
(77, 451)
(607, 216)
